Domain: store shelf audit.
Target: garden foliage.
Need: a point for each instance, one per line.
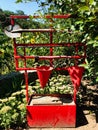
(13, 110)
(82, 27)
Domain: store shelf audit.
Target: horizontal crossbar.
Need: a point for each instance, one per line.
(50, 45)
(36, 16)
(49, 57)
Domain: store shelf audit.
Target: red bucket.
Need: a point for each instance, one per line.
(76, 73)
(43, 73)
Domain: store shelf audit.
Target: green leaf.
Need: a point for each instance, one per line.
(79, 22)
(18, 1)
(97, 79)
(96, 38)
(91, 2)
(85, 65)
(95, 44)
(84, 8)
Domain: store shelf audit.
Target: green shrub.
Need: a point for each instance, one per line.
(60, 84)
(13, 110)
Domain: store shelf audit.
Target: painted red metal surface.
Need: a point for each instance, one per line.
(51, 45)
(49, 57)
(44, 74)
(46, 16)
(51, 116)
(76, 73)
(13, 17)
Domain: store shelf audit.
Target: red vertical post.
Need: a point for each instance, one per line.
(76, 50)
(51, 49)
(12, 21)
(25, 58)
(26, 83)
(85, 52)
(15, 53)
(26, 75)
(74, 94)
(51, 40)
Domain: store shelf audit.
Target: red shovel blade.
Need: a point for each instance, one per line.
(76, 73)
(43, 73)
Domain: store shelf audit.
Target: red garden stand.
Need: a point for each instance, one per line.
(49, 115)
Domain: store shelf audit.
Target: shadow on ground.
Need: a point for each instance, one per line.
(87, 103)
(80, 117)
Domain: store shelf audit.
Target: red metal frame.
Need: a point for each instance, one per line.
(63, 16)
(60, 109)
(54, 116)
(50, 57)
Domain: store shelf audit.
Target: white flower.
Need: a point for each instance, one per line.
(14, 116)
(21, 106)
(11, 98)
(4, 100)
(5, 109)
